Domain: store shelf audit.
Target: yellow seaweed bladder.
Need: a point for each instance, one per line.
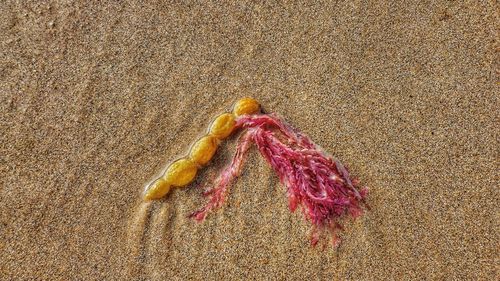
(181, 172)
(203, 150)
(223, 126)
(246, 106)
(157, 189)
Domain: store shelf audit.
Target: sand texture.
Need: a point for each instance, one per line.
(96, 98)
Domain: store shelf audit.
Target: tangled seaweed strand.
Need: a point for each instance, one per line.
(313, 179)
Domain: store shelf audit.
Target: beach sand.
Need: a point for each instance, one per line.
(97, 98)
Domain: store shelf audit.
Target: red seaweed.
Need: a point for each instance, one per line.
(314, 180)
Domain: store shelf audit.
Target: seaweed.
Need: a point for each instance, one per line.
(314, 180)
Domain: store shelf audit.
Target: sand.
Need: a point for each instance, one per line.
(97, 98)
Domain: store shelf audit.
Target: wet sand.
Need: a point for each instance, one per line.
(97, 98)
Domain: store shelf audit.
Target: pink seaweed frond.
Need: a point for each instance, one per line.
(314, 180)
(218, 193)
